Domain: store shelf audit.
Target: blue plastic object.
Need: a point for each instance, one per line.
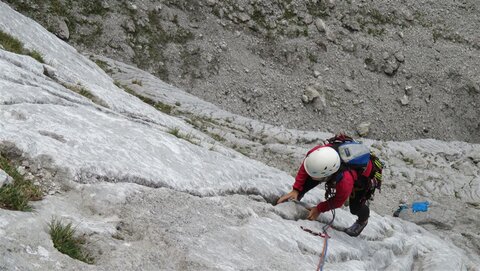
(420, 206)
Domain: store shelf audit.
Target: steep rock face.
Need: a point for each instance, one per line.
(443, 173)
(373, 61)
(149, 197)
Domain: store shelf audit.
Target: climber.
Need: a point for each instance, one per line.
(323, 164)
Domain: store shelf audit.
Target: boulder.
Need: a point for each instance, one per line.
(399, 56)
(472, 87)
(391, 66)
(363, 128)
(212, 3)
(129, 26)
(330, 3)
(349, 46)
(308, 19)
(243, 17)
(320, 24)
(408, 90)
(50, 71)
(310, 94)
(5, 178)
(348, 85)
(60, 28)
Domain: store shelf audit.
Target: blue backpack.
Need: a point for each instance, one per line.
(353, 154)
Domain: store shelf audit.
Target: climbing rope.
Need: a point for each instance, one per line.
(323, 255)
(321, 262)
(325, 237)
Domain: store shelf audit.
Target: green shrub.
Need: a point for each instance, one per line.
(379, 17)
(64, 239)
(376, 32)
(57, 7)
(289, 14)
(317, 8)
(93, 7)
(181, 36)
(259, 18)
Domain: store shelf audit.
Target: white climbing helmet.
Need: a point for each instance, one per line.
(322, 162)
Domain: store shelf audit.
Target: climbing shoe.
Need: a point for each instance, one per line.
(356, 228)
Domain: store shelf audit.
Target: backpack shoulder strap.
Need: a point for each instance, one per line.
(340, 138)
(338, 176)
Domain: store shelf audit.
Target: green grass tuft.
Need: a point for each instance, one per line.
(85, 93)
(103, 65)
(137, 82)
(64, 239)
(15, 196)
(12, 198)
(10, 43)
(165, 108)
(13, 45)
(217, 137)
(80, 90)
(243, 150)
(188, 137)
(36, 55)
(175, 131)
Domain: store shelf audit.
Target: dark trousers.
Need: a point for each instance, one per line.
(358, 202)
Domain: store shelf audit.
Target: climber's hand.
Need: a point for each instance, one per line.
(291, 195)
(314, 213)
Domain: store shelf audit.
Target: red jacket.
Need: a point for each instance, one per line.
(343, 188)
